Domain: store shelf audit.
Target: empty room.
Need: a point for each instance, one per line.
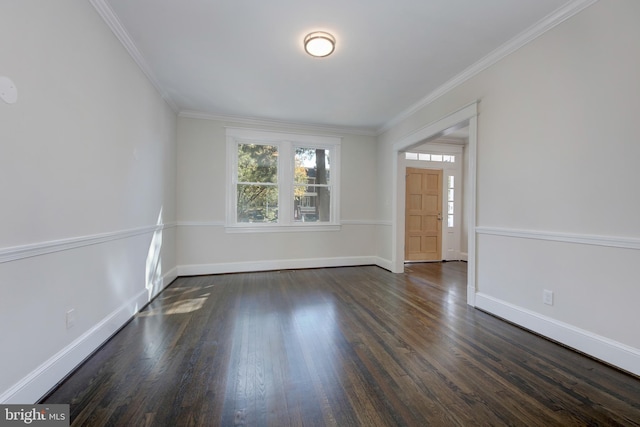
(294, 213)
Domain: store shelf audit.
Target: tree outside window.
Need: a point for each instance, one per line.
(257, 188)
(312, 196)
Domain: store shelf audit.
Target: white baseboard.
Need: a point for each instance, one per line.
(605, 349)
(384, 263)
(289, 264)
(167, 278)
(42, 379)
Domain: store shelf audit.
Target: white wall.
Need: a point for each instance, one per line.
(557, 197)
(205, 247)
(87, 178)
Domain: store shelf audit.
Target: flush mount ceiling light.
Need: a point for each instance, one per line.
(319, 44)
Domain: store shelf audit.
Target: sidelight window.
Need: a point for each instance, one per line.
(450, 200)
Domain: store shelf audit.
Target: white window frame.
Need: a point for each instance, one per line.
(286, 143)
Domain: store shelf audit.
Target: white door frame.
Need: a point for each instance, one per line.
(466, 116)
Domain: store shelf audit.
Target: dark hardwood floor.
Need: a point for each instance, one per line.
(355, 346)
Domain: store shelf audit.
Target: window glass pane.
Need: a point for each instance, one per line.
(436, 157)
(450, 183)
(257, 163)
(411, 156)
(424, 157)
(450, 208)
(449, 159)
(257, 203)
(450, 195)
(312, 198)
(312, 166)
(312, 203)
(450, 221)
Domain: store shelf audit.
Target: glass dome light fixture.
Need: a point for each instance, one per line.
(319, 44)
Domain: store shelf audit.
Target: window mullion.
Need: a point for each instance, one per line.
(285, 184)
(232, 180)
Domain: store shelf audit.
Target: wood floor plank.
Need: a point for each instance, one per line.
(356, 346)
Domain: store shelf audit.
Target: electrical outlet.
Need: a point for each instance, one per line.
(71, 318)
(547, 297)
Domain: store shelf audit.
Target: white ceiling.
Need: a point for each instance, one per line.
(244, 58)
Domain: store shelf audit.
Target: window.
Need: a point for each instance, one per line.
(281, 181)
(450, 200)
(257, 183)
(312, 185)
(427, 157)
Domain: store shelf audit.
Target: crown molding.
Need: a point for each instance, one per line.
(546, 24)
(275, 123)
(112, 21)
(535, 31)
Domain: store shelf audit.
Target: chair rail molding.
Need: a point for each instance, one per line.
(42, 248)
(583, 239)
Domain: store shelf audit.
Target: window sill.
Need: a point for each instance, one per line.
(293, 228)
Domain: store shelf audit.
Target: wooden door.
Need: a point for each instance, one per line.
(423, 215)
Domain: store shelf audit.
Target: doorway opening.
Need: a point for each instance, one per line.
(424, 215)
(463, 118)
